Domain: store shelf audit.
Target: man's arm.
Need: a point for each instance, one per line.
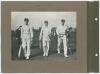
(49, 30)
(21, 33)
(31, 32)
(57, 31)
(67, 30)
(49, 33)
(41, 32)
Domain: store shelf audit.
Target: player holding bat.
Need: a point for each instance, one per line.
(26, 38)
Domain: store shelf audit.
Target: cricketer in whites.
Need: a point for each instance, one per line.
(27, 35)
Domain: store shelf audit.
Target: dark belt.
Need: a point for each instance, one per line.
(61, 35)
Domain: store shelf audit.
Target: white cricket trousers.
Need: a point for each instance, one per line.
(45, 46)
(26, 43)
(60, 40)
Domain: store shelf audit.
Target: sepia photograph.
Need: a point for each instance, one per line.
(43, 35)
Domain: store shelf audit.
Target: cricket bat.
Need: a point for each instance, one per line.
(40, 42)
(19, 51)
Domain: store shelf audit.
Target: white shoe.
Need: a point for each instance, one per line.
(43, 54)
(66, 56)
(46, 54)
(27, 57)
(58, 52)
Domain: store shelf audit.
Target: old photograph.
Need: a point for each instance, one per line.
(43, 35)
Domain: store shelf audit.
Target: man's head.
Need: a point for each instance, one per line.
(46, 23)
(63, 21)
(26, 20)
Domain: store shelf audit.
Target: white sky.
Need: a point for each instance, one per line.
(36, 19)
